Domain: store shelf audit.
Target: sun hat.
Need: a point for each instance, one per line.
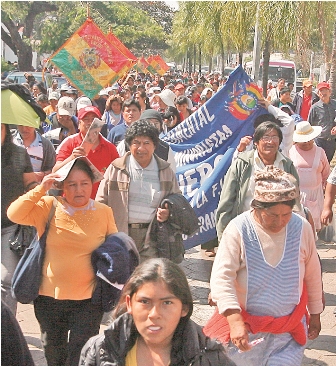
(64, 171)
(274, 185)
(66, 106)
(89, 109)
(304, 132)
(168, 97)
(83, 102)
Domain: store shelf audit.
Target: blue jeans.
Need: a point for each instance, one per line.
(66, 325)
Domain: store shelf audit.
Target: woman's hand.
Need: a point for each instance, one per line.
(326, 216)
(314, 327)
(210, 301)
(238, 331)
(48, 181)
(162, 214)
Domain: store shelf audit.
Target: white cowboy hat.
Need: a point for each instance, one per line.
(304, 132)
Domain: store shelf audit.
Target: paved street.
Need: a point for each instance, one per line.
(320, 352)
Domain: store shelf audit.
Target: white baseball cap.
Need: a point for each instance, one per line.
(66, 106)
(83, 102)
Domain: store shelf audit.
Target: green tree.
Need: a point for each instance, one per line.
(21, 15)
(138, 31)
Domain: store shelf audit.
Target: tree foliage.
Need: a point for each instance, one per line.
(140, 27)
(286, 27)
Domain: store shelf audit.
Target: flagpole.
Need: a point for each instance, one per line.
(88, 10)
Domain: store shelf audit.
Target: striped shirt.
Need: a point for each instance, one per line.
(35, 150)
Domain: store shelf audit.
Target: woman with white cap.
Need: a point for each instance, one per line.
(312, 166)
(265, 276)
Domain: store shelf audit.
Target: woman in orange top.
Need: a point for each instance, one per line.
(78, 227)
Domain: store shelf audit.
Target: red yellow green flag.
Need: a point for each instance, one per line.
(89, 60)
(141, 65)
(132, 60)
(157, 65)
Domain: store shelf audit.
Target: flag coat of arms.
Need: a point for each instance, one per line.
(156, 65)
(89, 60)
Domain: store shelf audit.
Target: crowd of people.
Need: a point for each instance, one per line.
(277, 196)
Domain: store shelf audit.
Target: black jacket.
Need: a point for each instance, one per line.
(194, 348)
(168, 235)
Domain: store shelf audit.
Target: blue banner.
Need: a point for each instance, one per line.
(203, 145)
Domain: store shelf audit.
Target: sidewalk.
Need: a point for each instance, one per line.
(320, 352)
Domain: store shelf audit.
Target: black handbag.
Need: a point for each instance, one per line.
(21, 239)
(27, 275)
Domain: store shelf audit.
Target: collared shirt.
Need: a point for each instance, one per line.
(323, 115)
(259, 165)
(34, 150)
(144, 191)
(101, 157)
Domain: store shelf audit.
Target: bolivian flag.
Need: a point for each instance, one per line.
(141, 65)
(89, 60)
(157, 65)
(132, 60)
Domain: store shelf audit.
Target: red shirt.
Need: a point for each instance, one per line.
(306, 105)
(101, 157)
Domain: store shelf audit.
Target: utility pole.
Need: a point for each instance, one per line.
(256, 49)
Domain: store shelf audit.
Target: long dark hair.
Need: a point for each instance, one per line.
(7, 147)
(155, 270)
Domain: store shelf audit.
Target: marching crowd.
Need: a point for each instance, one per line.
(277, 196)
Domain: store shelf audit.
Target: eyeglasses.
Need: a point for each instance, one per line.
(270, 138)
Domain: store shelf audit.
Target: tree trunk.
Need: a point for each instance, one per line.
(210, 64)
(25, 57)
(194, 68)
(240, 59)
(223, 57)
(200, 60)
(190, 61)
(332, 79)
(266, 58)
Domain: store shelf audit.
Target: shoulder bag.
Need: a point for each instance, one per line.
(27, 275)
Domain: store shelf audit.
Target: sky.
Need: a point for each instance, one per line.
(172, 4)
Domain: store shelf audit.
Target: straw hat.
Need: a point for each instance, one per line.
(304, 132)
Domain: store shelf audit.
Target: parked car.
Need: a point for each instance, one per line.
(19, 78)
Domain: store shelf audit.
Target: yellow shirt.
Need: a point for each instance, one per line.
(49, 109)
(131, 356)
(74, 233)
